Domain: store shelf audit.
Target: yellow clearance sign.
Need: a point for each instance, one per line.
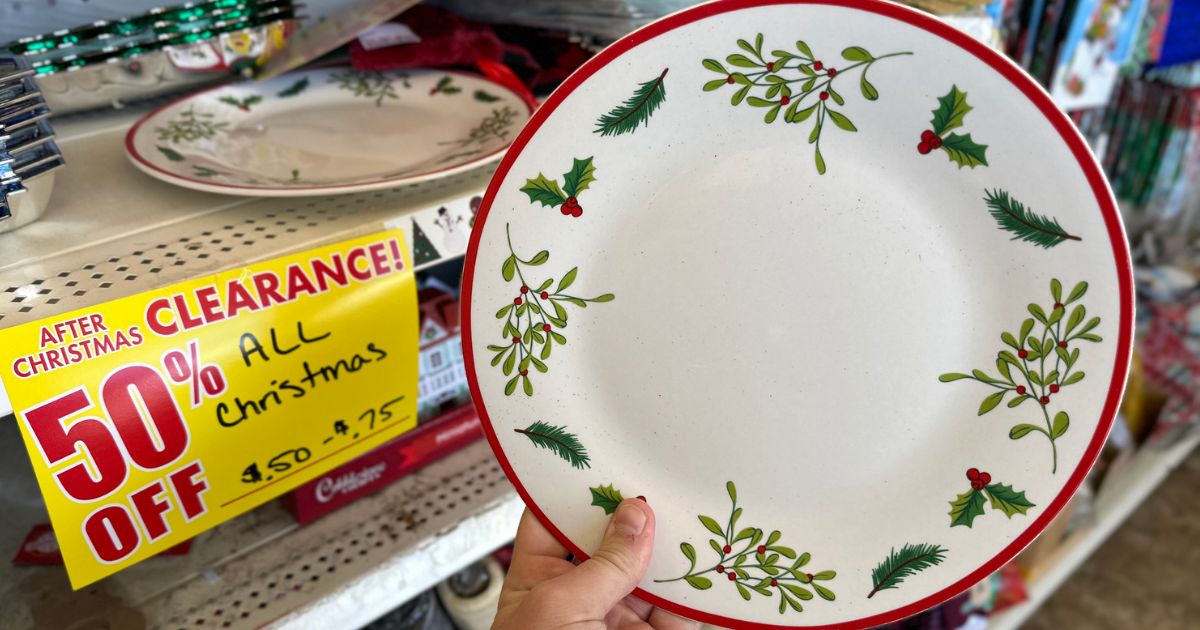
(152, 418)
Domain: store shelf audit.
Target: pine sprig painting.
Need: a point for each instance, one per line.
(904, 563)
(753, 562)
(959, 148)
(1024, 224)
(1039, 363)
(783, 80)
(294, 89)
(968, 506)
(559, 441)
(547, 192)
(534, 318)
(636, 110)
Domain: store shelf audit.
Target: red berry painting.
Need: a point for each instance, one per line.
(959, 148)
(636, 110)
(1024, 224)
(533, 319)
(969, 505)
(1039, 362)
(787, 78)
(754, 562)
(546, 191)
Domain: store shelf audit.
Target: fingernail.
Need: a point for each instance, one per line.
(641, 498)
(629, 520)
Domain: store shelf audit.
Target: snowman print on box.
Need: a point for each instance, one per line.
(454, 231)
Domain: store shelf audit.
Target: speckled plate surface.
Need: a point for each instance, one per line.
(327, 131)
(835, 287)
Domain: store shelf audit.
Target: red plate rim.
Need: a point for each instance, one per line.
(999, 63)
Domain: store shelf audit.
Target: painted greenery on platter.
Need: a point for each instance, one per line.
(559, 441)
(905, 563)
(781, 82)
(534, 318)
(1039, 362)
(754, 562)
(636, 110)
(965, 508)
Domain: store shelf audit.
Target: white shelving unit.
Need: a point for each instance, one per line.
(111, 232)
(1131, 484)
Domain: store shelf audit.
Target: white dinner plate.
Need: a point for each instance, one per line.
(327, 131)
(836, 288)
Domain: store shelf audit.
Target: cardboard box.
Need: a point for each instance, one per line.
(442, 380)
(373, 471)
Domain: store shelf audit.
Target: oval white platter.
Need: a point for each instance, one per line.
(836, 288)
(327, 131)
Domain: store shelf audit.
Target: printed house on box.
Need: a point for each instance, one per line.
(442, 380)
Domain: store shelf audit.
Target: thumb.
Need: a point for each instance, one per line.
(615, 569)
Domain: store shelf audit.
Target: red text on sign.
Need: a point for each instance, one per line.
(72, 341)
(209, 304)
(149, 441)
(113, 533)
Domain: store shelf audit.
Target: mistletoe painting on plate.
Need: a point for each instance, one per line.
(781, 82)
(534, 318)
(369, 84)
(753, 562)
(1038, 363)
(191, 126)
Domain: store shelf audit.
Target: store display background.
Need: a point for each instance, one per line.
(937, 283)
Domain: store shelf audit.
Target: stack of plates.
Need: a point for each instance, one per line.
(28, 154)
(162, 50)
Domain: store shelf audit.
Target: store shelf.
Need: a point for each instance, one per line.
(1118, 498)
(263, 570)
(112, 231)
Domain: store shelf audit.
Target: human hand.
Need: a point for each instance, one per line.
(545, 591)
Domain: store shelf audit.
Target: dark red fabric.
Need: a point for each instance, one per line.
(446, 40)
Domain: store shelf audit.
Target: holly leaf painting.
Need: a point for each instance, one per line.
(608, 498)
(964, 151)
(966, 507)
(544, 191)
(1007, 500)
(950, 111)
(581, 175)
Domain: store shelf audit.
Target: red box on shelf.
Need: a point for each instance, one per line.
(373, 471)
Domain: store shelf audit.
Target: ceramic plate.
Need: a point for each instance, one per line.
(327, 131)
(835, 287)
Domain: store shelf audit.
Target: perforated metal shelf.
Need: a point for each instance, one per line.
(262, 570)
